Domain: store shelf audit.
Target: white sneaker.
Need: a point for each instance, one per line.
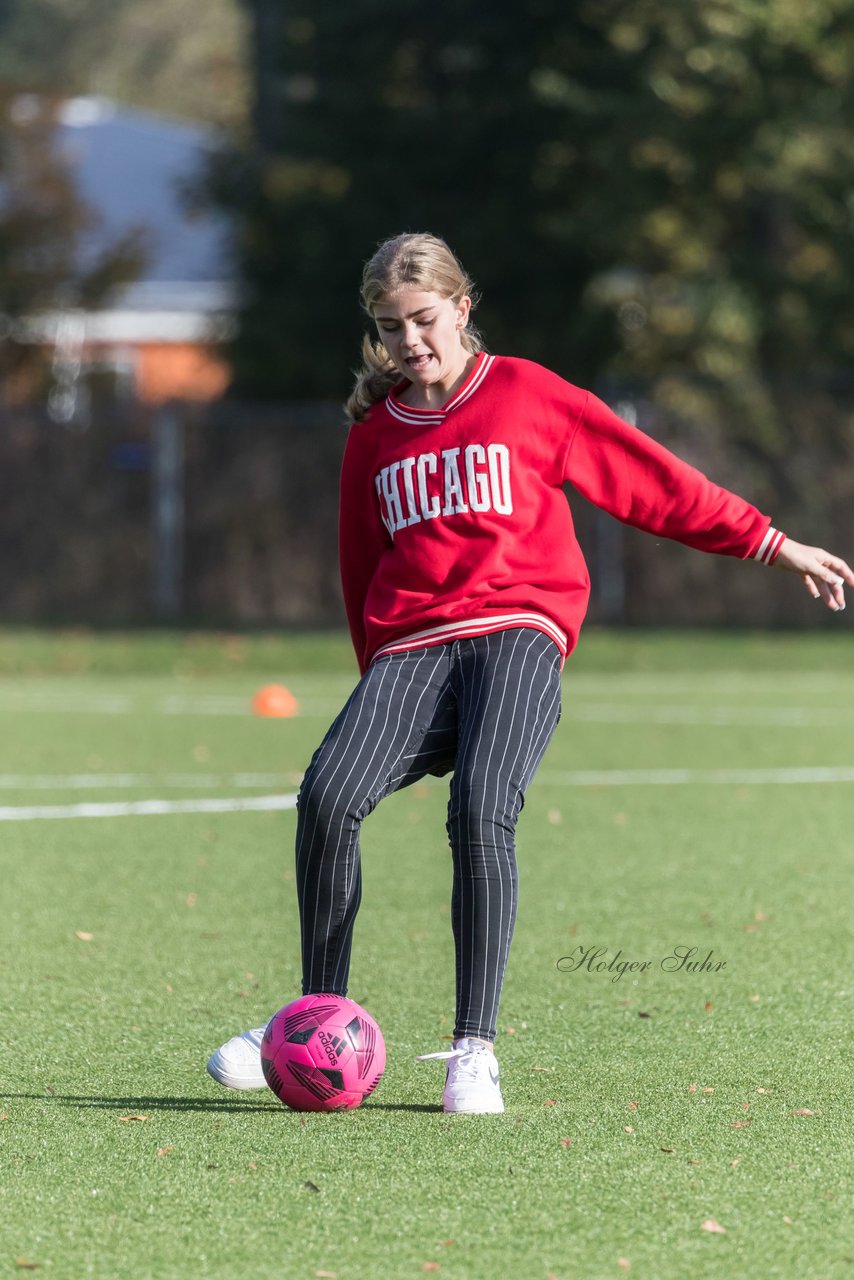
(237, 1063)
(471, 1083)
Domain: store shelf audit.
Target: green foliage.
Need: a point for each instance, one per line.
(161, 55)
(648, 190)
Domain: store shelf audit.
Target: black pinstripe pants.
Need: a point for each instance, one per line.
(485, 708)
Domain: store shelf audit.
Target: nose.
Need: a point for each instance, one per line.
(409, 334)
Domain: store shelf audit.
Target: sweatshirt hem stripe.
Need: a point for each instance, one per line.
(469, 628)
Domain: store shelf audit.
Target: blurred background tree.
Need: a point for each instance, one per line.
(41, 223)
(168, 56)
(653, 191)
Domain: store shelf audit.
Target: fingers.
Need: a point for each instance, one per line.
(830, 589)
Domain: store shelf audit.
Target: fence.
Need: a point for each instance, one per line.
(226, 515)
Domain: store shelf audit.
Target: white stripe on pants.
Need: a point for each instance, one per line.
(485, 708)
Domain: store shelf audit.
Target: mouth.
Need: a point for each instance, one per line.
(418, 363)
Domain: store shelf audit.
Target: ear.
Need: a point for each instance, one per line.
(463, 308)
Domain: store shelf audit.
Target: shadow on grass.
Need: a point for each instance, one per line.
(214, 1106)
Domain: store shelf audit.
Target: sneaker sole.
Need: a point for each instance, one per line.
(460, 1109)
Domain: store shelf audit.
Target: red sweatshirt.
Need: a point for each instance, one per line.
(454, 521)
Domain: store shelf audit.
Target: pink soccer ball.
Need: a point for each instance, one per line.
(322, 1053)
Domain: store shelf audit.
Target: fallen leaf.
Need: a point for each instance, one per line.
(756, 999)
(736, 1161)
(803, 1111)
(430, 1266)
(566, 1142)
(447, 1242)
(627, 1128)
(4, 1115)
(50, 1090)
(191, 899)
(125, 1119)
(787, 1220)
(623, 1263)
(83, 935)
(709, 1089)
(745, 1106)
(761, 1090)
(163, 1151)
(644, 1015)
(692, 1088)
(25, 1265)
(711, 1225)
(549, 1069)
(312, 1186)
(695, 1162)
(708, 1006)
(668, 1151)
(739, 1124)
(550, 1102)
(760, 916)
(511, 1031)
(631, 1106)
(554, 817)
(252, 1165)
(326, 1275)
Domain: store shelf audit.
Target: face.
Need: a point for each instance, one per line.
(422, 333)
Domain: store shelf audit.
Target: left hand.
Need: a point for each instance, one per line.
(823, 575)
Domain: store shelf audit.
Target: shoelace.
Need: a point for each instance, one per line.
(473, 1053)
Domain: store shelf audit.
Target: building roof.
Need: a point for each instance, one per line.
(136, 171)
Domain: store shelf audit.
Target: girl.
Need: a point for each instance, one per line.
(465, 590)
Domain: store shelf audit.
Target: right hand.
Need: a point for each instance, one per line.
(823, 574)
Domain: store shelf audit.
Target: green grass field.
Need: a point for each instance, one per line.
(699, 793)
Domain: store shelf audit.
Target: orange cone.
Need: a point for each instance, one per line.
(275, 700)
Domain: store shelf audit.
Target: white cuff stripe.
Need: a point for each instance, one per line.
(770, 545)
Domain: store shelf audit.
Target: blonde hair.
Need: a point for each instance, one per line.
(415, 260)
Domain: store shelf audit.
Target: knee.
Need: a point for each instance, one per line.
(328, 800)
(480, 818)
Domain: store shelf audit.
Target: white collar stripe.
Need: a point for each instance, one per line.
(473, 385)
(403, 415)
(424, 418)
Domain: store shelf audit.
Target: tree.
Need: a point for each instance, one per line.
(152, 54)
(656, 191)
(41, 220)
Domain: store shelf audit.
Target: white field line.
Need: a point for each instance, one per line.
(695, 777)
(620, 713)
(69, 703)
(570, 778)
(144, 808)
(115, 781)
(62, 702)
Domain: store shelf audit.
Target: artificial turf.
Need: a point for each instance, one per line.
(644, 1110)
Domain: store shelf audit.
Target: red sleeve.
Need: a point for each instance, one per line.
(362, 539)
(627, 473)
